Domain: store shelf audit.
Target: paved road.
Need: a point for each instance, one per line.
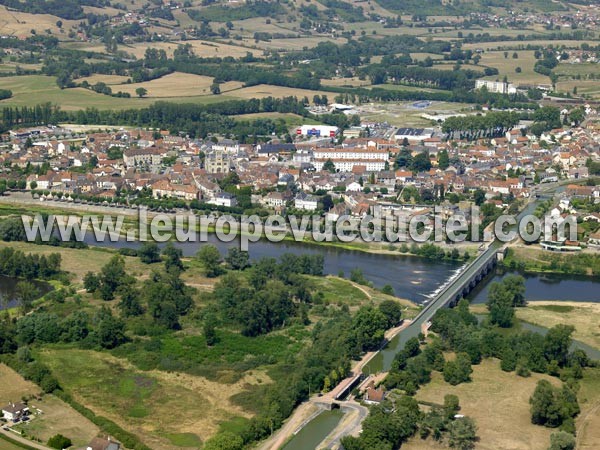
(16, 437)
(346, 427)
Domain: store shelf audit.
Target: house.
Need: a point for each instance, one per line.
(15, 411)
(305, 201)
(374, 396)
(99, 443)
(224, 199)
(275, 199)
(354, 187)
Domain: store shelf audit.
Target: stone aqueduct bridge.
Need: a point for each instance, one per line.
(465, 281)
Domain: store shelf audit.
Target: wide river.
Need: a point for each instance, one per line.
(413, 278)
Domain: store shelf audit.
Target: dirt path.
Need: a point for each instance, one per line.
(584, 422)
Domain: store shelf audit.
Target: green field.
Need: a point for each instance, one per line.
(31, 90)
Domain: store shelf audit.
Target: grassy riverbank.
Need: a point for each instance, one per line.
(534, 260)
(584, 316)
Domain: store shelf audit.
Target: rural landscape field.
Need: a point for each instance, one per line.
(293, 130)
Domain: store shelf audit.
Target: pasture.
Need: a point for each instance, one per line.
(507, 65)
(498, 402)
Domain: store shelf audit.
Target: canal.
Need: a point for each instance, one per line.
(311, 435)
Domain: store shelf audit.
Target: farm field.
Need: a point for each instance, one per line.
(57, 417)
(20, 24)
(265, 90)
(79, 261)
(337, 82)
(507, 66)
(498, 402)
(516, 45)
(201, 48)
(177, 85)
(589, 87)
(31, 90)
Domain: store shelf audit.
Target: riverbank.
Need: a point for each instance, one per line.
(584, 316)
(530, 259)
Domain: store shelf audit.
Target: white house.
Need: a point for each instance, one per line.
(354, 187)
(15, 411)
(305, 201)
(224, 199)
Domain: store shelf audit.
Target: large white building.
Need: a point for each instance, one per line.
(497, 87)
(344, 159)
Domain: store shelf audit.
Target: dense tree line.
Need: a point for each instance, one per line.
(489, 125)
(66, 9)
(15, 263)
(270, 296)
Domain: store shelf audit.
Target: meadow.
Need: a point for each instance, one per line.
(164, 409)
(57, 417)
(582, 315)
(507, 67)
(498, 402)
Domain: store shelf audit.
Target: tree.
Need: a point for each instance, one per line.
(392, 312)
(557, 343)
(369, 325)
(459, 370)
(26, 293)
(421, 162)
(210, 334)
(215, 88)
(224, 441)
(149, 253)
(130, 302)
(110, 331)
(141, 92)
(112, 276)
(479, 197)
(562, 441)
(329, 166)
(91, 282)
(451, 405)
(210, 258)
(237, 259)
(172, 256)
(500, 305)
(59, 441)
(443, 160)
(462, 433)
(553, 407)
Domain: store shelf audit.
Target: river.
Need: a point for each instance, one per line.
(545, 287)
(412, 277)
(8, 290)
